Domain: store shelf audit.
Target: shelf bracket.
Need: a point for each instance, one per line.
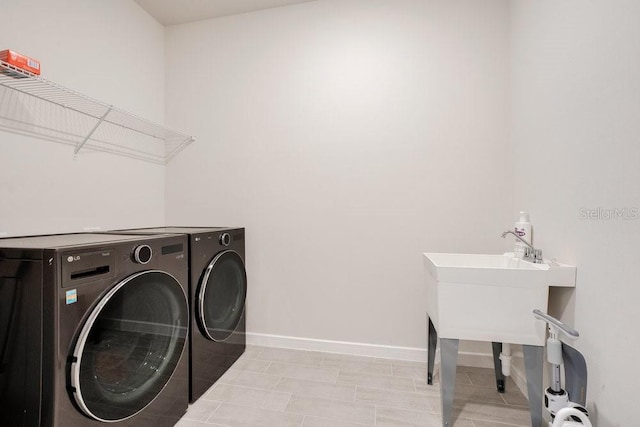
(86, 138)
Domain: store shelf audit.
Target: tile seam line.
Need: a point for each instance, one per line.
(271, 362)
(249, 388)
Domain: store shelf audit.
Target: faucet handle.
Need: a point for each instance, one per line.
(537, 255)
(533, 255)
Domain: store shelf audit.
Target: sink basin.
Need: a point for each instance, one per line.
(498, 270)
(487, 297)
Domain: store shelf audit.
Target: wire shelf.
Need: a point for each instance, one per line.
(31, 105)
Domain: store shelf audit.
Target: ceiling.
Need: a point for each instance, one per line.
(171, 12)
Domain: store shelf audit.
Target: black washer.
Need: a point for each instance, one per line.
(91, 336)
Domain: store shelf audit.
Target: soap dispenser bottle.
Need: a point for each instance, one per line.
(522, 229)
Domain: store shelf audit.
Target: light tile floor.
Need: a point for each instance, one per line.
(274, 387)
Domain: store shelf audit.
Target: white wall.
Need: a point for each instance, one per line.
(110, 50)
(348, 137)
(576, 121)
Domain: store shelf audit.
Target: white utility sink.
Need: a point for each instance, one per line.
(491, 297)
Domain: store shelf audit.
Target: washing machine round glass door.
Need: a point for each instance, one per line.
(221, 296)
(129, 346)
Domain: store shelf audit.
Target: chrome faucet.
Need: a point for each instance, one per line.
(530, 253)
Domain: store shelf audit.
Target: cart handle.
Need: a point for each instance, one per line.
(570, 332)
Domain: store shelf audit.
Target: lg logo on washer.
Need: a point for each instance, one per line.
(72, 258)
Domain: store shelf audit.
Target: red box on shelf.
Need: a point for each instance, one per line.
(20, 61)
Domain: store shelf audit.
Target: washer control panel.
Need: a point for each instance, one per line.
(225, 239)
(82, 267)
(142, 254)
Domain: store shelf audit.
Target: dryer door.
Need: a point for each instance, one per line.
(129, 346)
(221, 296)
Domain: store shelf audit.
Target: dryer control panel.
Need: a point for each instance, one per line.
(225, 239)
(82, 267)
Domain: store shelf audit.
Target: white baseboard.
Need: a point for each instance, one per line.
(342, 347)
(414, 354)
(475, 360)
(519, 377)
